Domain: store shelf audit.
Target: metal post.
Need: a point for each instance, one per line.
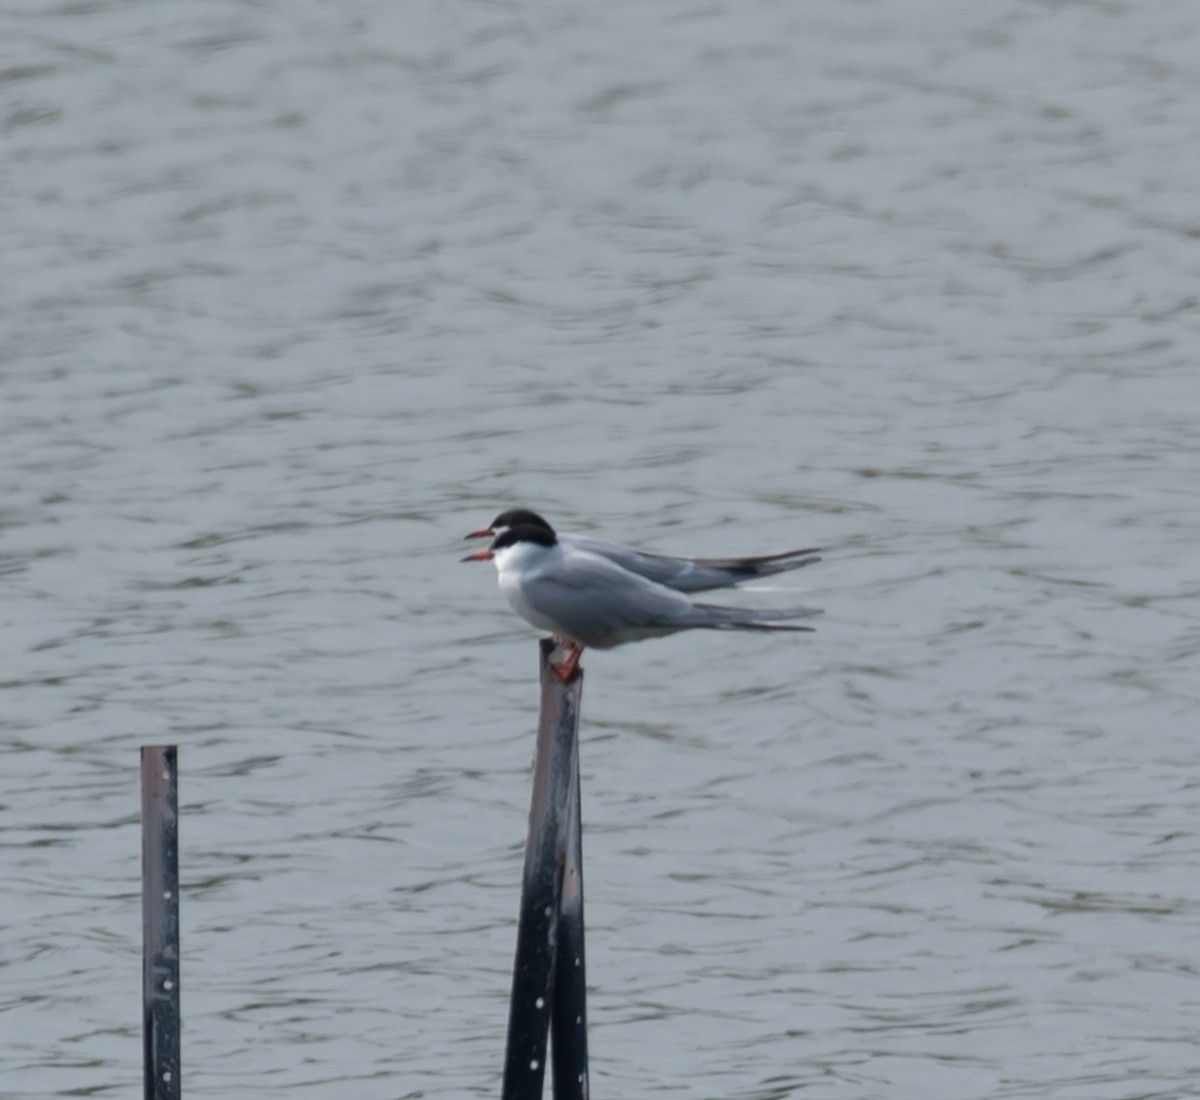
(160, 922)
(540, 962)
(568, 1022)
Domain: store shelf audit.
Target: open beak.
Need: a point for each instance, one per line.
(482, 533)
(479, 555)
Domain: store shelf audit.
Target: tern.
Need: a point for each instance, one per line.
(682, 574)
(589, 601)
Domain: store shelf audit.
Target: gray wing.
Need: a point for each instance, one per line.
(594, 601)
(600, 605)
(693, 574)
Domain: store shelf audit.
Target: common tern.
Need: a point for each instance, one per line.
(682, 574)
(589, 601)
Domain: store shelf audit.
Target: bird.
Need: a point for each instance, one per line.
(589, 601)
(682, 574)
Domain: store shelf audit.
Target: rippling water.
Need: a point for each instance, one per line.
(296, 294)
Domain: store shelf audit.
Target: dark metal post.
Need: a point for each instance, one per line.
(553, 834)
(160, 922)
(568, 1023)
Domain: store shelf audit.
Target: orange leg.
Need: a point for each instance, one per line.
(567, 667)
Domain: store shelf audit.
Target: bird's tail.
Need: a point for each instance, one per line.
(710, 617)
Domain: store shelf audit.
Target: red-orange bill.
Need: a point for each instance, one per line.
(479, 555)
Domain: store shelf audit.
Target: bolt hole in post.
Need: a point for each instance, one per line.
(550, 926)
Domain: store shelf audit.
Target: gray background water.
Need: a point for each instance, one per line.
(295, 294)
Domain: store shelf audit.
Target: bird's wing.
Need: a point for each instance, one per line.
(692, 574)
(598, 603)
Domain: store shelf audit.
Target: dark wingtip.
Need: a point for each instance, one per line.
(764, 565)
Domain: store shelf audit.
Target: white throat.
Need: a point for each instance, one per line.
(522, 558)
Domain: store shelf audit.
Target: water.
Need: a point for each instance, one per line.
(297, 294)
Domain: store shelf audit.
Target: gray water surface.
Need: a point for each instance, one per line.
(296, 294)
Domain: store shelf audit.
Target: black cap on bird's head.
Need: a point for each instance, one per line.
(511, 536)
(514, 517)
